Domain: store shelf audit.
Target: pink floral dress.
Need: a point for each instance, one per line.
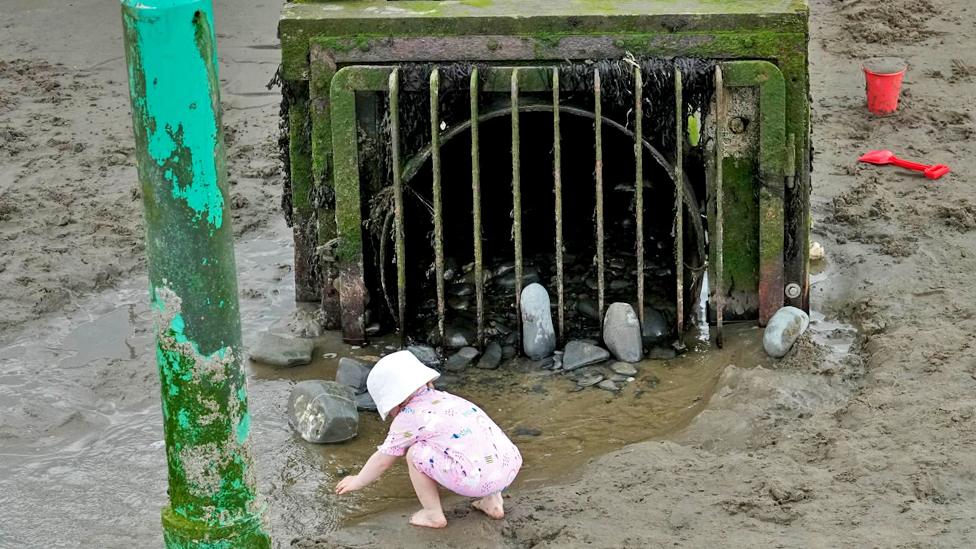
(455, 443)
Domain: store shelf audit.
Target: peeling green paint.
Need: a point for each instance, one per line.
(183, 123)
(243, 429)
(193, 288)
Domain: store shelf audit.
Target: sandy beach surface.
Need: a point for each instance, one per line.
(863, 443)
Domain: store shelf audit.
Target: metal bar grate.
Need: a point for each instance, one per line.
(401, 251)
(517, 197)
(558, 191)
(679, 177)
(639, 184)
(598, 130)
(535, 80)
(718, 244)
(435, 162)
(479, 276)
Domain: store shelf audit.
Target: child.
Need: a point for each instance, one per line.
(447, 441)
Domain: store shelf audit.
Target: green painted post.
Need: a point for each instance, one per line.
(171, 55)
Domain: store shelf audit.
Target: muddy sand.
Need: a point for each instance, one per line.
(843, 444)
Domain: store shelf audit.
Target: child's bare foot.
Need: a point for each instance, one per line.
(493, 506)
(429, 519)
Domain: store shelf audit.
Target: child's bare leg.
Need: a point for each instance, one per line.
(431, 516)
(492, 505)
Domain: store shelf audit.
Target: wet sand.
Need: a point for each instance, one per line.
(566, 427)
(84, 441)
(844, 444)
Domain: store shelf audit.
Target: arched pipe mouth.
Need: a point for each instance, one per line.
(416, 163)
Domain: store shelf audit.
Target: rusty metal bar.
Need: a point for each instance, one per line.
(793, 298)
(639, 183)
(720, 116)
(479, 278)
(401, 252)
(679, 207)
(435, 160)
(516, 198)
(557, 159)
(598, 129)
(322, 68)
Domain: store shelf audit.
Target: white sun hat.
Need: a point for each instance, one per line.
(394, 378)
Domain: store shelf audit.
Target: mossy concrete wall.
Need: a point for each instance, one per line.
(321, 36)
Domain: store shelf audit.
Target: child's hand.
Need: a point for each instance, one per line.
(349, 484)
(375, 465)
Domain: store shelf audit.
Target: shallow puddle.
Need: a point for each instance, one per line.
(556, 427)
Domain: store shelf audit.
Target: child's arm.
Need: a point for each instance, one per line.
(375, 466)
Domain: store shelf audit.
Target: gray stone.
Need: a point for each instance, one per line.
(469, 277)
(461, 290)
(305, 323)
(655, 329)
(526, 432)
(622, 333)
(786, 326)
(617, 378)
(450, 268)
(623, 369)
(323, 411)
(544, 363)
(589, 380)
(446, 381)
(499, 328)
(282, 351)
(504, 268)
(508, 352)
(352, 373)
(579, 354)
(662, 353)
(425, 354)
(588, 308)
(459, 335)
(459, 303)
(461, 359)
(364, 403)
(492, 357)
(529, 276)
(619, 284)
(538, 334)
(608, 385)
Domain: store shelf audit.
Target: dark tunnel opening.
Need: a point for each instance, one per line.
(538, 229)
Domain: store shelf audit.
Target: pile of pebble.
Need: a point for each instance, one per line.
(582, 315)
(323, 411)
(584, 360)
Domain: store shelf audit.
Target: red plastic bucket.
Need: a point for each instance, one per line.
(883, 76)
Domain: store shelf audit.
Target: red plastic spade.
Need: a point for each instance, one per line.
(883, 158)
